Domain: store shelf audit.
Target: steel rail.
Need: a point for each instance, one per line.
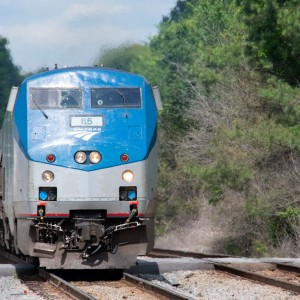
(289, 268)
(65, 286)
(259, 278)
(154, 288)
(157, 252)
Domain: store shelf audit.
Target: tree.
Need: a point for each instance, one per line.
(121, 57)
(274, 37)
(9, 75)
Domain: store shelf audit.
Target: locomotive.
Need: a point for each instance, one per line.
(78, 168)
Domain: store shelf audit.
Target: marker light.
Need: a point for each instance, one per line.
(51, 158)
(47, 176)
(128, 176)
(80, 157)
(124, 157)
(131, 194)
(43, 195)
(95, 157)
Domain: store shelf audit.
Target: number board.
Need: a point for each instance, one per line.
(86, 121)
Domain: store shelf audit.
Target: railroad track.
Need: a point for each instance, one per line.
(48, 284)
(283, 275)
(40, 281)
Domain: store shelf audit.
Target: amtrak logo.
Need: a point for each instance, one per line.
(86, 136)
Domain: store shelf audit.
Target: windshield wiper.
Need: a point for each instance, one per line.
(40, 109)
(124, 101)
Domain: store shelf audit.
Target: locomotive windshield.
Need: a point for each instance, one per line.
(55, 98)
(115, 97)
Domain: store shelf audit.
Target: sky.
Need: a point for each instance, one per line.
(42, 33)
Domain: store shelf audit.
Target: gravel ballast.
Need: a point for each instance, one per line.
(11, 288)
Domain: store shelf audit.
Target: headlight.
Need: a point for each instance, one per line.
(128, 176)
(47, 176)
(80, 157)
(95, 157)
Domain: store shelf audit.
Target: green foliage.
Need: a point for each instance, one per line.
(214, 177)
(202, 25)
(121, 57)
(261, 248)
(290, 213)
(176, 200)
(9, 76)
(257, 207)
(278, 100)
(273, 28)
(194, 45)
(282, 224)
(238, 246)
(231, 248)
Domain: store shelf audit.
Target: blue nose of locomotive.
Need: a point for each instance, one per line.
(86, 120)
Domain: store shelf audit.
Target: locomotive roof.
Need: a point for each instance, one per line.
(82, 69)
